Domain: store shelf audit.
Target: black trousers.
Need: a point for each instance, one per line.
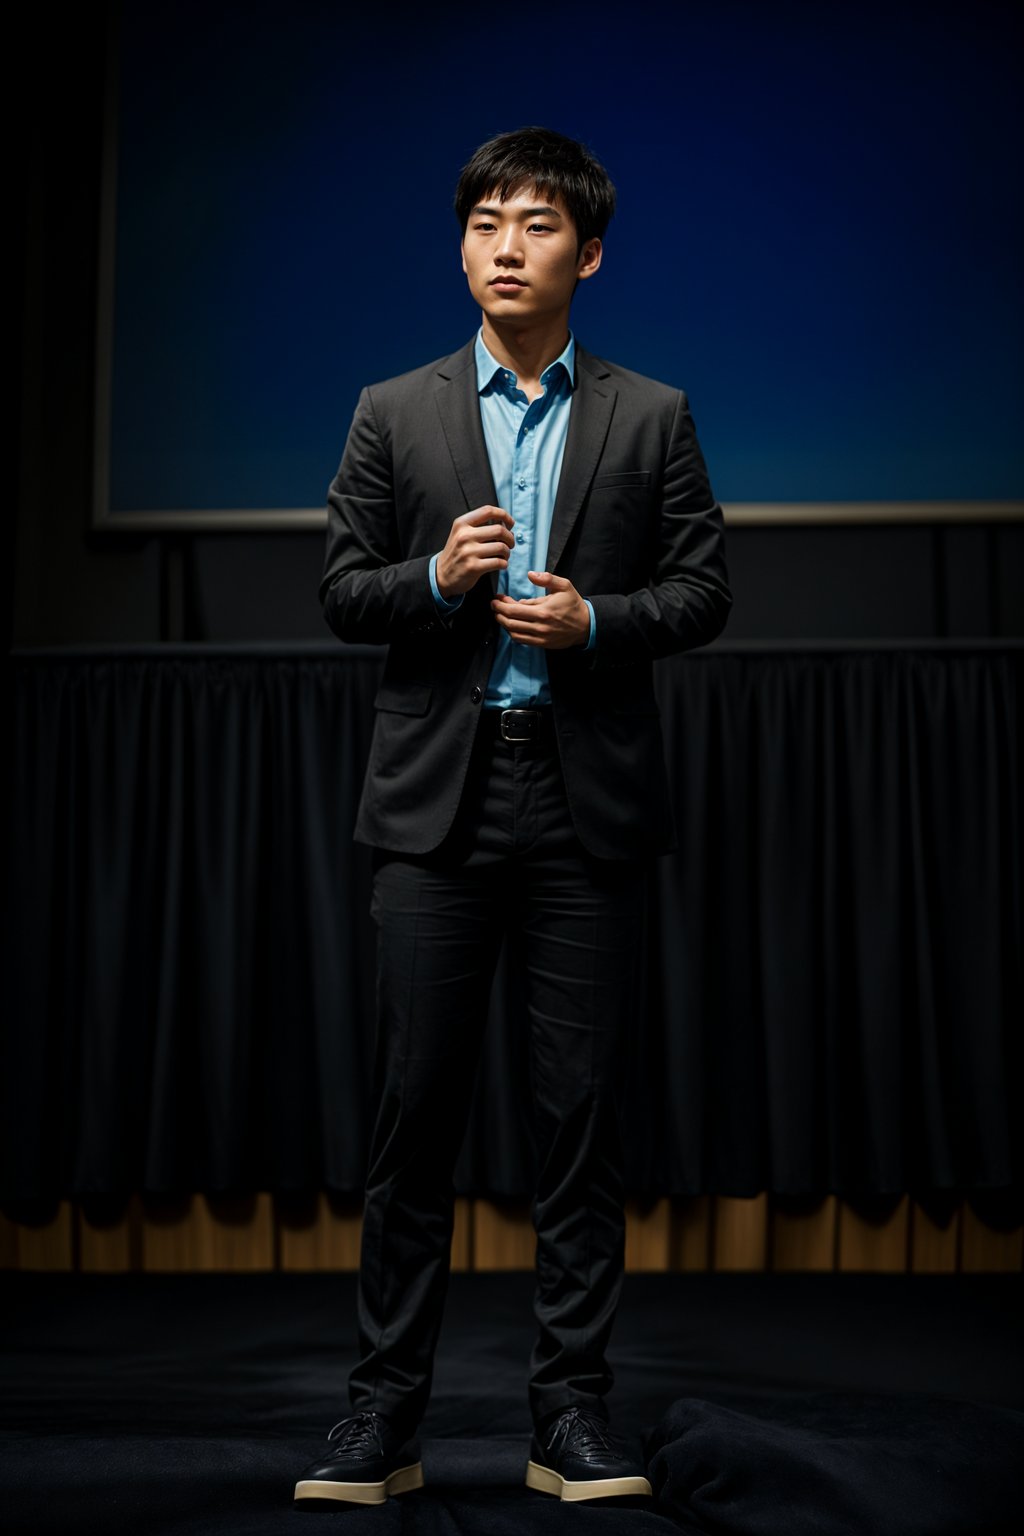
(511, 867)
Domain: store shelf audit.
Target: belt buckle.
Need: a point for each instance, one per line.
(523, 717)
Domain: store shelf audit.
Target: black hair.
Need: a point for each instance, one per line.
(556, 166)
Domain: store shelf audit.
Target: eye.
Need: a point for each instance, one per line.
(543, 228)
(483, 226)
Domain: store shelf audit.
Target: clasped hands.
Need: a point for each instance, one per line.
(479, 542)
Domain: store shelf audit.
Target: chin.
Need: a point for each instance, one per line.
(501, 306)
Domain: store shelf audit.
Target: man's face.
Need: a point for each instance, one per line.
(520, 257)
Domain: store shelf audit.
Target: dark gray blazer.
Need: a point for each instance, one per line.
(635, 528)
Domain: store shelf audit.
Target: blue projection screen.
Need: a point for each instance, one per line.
(819, 237)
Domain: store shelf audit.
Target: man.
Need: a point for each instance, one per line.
(528, 528)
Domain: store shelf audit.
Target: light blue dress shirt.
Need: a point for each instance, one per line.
(525, 444)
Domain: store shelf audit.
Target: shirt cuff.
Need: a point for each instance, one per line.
(593, 626)
(449, 606)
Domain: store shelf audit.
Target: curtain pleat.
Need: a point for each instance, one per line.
(832, 994)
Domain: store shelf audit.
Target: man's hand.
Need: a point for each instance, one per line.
(479, 542)
(554, 621)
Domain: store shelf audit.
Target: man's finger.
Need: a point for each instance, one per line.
(526, 637)
(488, 515)
(508, 618)
(518, 627)
(534, 607)
(481, 537)
(493, 547)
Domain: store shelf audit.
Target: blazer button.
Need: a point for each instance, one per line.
(476, 696)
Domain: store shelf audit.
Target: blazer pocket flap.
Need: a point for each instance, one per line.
(403, 698)
(622, 477)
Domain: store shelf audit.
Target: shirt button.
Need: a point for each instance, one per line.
(520, 539)
(476, 696)
(522, 485)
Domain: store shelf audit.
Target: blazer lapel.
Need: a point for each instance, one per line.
(593, 403)
(458, 403)
(589, 419)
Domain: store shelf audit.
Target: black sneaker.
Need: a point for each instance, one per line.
(580, 1458)
(368, 1462)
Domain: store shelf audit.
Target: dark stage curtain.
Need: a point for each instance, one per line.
(833, 992)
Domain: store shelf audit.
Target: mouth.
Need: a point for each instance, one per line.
(505, 281)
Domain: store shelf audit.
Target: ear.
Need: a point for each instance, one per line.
(590, 259)
(462, 248)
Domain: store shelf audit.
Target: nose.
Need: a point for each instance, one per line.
(509, 250)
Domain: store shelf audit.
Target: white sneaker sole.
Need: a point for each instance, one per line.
(401, 1480)
(546, 1481)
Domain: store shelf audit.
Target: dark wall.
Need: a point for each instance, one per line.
(71, 585)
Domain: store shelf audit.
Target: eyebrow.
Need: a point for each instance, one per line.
(527, 213)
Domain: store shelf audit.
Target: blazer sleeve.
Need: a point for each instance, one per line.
(687, 600)
(369, 590)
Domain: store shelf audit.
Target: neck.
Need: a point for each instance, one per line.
(527, 350)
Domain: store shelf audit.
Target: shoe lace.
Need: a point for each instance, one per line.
(587, 1432)
(358, 1433)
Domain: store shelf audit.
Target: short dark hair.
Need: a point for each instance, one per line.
(556, 166)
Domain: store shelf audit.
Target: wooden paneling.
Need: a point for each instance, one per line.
(989, 1248)
(803, 1234)
(322, 1232)
(934, 1238)
(170, 1233)
(45, 1238)
(690, 1247)
(200, 1233)
(109, 1235)
(873, 1234)
(740, 1232)
(649, 1236)
(317, 1231)
(503, 1236)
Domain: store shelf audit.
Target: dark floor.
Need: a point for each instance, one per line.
(770, 1405)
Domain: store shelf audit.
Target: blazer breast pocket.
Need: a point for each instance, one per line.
(620, 479)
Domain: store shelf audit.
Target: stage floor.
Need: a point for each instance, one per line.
(769, 1405)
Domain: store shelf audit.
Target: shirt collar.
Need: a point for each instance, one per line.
(487, 365)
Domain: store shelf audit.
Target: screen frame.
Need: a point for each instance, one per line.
(314, 519)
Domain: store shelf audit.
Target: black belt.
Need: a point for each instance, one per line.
(519, 724)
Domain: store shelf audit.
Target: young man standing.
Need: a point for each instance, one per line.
(528, 528)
